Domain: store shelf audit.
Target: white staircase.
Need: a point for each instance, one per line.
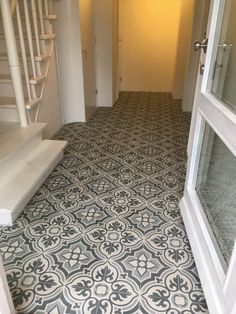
(34, 37)
(26, 48)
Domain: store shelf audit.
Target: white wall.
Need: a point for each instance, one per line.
(70, 60)
(183, 48)
(103, 52)
(149, 34)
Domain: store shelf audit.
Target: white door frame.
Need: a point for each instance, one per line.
(219, 287)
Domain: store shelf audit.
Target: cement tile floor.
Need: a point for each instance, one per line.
(104, 233)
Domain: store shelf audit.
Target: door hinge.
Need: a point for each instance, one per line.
(96, 91)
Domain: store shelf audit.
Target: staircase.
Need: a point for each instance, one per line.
(26, 48)
(34, 37)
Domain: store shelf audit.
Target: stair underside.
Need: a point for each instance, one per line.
(27, 177)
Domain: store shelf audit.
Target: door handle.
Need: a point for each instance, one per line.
(198, 45)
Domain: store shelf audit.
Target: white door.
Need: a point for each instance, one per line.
(209, 202)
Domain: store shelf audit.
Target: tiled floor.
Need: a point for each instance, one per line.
(104, 233)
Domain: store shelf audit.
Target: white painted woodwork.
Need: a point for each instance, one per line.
(26, 178)
(218, 284)
(13, 60)
(115, 50)
(42, 98)
(86, 11)
(6, 304)
(104, 52)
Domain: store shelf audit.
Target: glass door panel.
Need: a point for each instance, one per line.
(224, 65)
(216, 189)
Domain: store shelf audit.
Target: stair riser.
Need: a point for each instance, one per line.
(34, 189)
(7, 114)
(8, 217)
(4, 67)
(28, 175)
(47, 26)
(7, 166)
(6, 89)
(4, 49)
(43, 45)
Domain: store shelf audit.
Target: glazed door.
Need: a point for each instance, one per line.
(209, 202)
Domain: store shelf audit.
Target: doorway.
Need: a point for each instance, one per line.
(154, 44)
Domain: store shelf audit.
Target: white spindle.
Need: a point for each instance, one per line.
(13, 60)
(46, 7)
(35, 23)
(23, 50)
(13, 6)
(29, 36)
(40, 8)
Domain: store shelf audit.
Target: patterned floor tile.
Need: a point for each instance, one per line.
(104, 234)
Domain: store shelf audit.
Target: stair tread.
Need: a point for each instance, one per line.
(10, 102)
(33, 80)
(12, 137)
(29, 174)
(4, 57)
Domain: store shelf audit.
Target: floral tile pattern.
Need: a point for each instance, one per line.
(104, 234)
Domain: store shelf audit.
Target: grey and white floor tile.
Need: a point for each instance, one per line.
(104, 234)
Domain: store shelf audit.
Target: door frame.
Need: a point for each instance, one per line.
(218, 285)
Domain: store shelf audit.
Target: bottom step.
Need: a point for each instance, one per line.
(26, 179)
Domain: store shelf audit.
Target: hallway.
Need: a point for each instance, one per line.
(104, 234)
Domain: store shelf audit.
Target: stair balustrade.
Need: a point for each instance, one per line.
(29, 43)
